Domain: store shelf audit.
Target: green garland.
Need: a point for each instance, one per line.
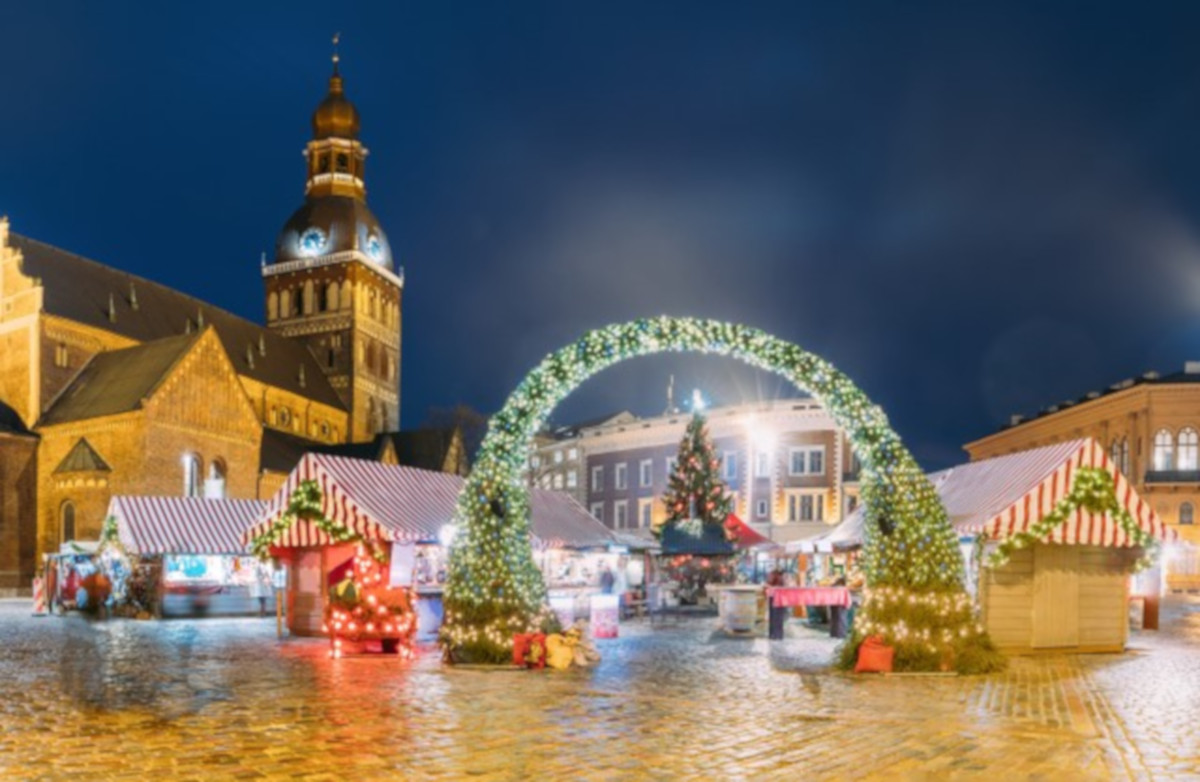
(305, 505)
(494, 588)
(1095, 491)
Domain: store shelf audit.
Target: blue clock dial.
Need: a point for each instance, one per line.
(312, 241)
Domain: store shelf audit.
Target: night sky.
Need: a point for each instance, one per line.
(972, 211)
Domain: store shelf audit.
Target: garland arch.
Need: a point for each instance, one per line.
(495, 590)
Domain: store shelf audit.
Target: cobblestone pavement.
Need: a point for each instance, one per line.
(222, 699)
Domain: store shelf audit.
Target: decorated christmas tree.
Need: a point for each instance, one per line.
(695, 494)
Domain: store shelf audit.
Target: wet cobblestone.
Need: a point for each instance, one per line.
(223, 699)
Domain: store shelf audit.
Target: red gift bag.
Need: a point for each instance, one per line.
(874, 656)
(520, 647)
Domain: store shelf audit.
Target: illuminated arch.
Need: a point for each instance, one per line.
(495, 589)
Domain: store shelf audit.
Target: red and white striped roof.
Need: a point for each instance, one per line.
(1006, 495)
(183, 525)
(409, 505)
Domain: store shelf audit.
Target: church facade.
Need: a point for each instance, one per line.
(114, 384)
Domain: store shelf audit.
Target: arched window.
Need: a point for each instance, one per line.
(214, 487)
(331, 296)
(347, 296)
(191, 475)
(285, 304)
(308, 297)
(1188, 442)
(272, 306)
(66, 521)
(1164, 451)
(1187, 513)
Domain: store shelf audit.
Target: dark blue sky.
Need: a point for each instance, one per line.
(972, 210)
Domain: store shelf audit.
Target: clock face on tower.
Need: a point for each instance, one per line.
(312, 241)
(375, 248)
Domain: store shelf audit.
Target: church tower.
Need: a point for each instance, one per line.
(332, 283)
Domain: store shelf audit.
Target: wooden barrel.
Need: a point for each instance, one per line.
(739, 610)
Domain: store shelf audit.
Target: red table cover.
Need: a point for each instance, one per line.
(786, 597)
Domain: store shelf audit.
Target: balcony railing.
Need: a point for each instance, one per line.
(1173, 476)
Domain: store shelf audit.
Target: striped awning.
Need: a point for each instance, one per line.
(1006, 495)
(408, 505)
(183, 525)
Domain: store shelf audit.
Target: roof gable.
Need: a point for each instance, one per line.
(82, 458)
(100, 296)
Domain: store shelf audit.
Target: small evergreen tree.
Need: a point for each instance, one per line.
(695, 492)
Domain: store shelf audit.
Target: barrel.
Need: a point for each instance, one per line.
(740, 609)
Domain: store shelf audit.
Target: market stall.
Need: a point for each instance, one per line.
(68, 574)
(183, 556)
(408, 513)
(1050, 537)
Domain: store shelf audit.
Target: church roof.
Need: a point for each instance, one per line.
(82, 458)
(82, 290)
(424, 448)
(117, 381)
(11, 423)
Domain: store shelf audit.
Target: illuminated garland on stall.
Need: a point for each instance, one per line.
(494, 588)
(1095, 491)
(305, 505)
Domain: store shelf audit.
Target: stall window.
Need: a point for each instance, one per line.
(1163, 450)
(1187, 513)
(67, 521)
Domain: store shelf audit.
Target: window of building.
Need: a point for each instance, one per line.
(558, 480)
(851, 503)
(191, 475)
(672, 463)
(558, 457)
(1188, 441)
(572, 479)
(343, 163)
(760, 509)
(572, 454)
(323, 164)
(762, 465)
(597, 478)
(805, 506)
(645, 509)
(621, 476)
(621, 514)
(1114, 453)
(214, 486)
(66, 525)
(332, 297)
(1163, 450)
(809, 460)
(1125, 455)
(645, 473)
(62, 357)
(598, 511)
(1187, 513)
(731, 465)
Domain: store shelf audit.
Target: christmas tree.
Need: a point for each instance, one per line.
(695, 494)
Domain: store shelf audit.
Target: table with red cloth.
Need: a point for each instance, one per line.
(787, 597)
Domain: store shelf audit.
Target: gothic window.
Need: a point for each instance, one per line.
(323, 164)
(62, 358)
(285, 304)
(1164, 448)
(214, 487)
(1188, 442)
(343, 163)
(66, 515)
(191, 475)
(273, 306)
(331, 296)
(347, 296)
(371, 305)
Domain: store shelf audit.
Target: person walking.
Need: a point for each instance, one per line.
(607, 579)
(775, 614)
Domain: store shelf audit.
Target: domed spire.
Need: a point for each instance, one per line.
(336, 117)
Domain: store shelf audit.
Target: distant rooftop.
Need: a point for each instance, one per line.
(1189, 374)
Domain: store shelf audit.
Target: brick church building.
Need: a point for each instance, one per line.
(112, 384)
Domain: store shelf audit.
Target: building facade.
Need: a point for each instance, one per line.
(114, 384)
(1150, 427)
(788, 465)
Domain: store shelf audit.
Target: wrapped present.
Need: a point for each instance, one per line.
(560, 651)
(874, 656)
(535, 652)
